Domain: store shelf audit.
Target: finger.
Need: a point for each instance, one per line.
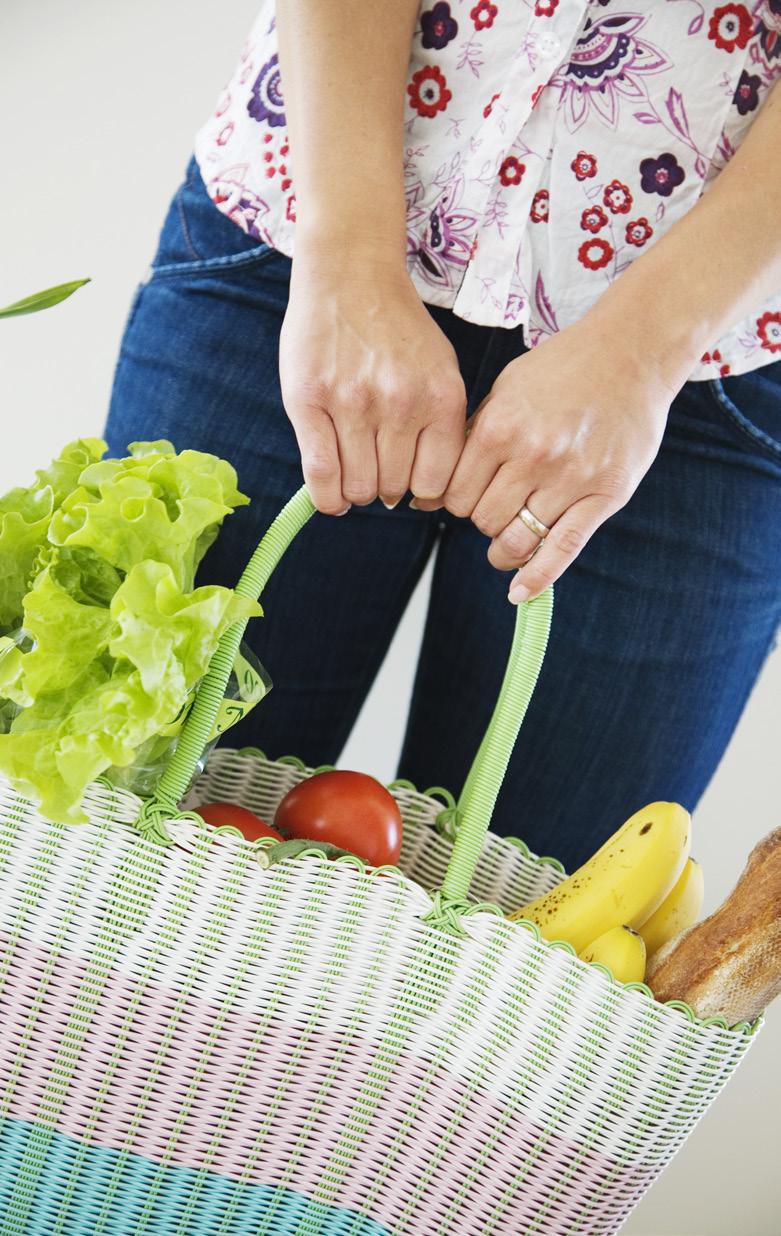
(560, 549)
(316, 437)
(358, 456)
(395, 457)
(503, 499)
(437, 452)
(515, 543)
(474, 472)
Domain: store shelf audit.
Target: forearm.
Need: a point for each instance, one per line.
(715, 265)
(343, 65)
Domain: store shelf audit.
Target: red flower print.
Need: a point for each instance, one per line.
(617, 198)
(769, 331)
(537, 92)
(638, 231)
(511, 171)
(714, 357)
(539, 210)
(290, 212)
(595, 253)
(489, 107)
(545, 8)
(730, 27)
(428, 92)
(593, 219)
(483, 14)
(584, 165)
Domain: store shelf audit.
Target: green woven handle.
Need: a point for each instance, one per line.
(482, 786)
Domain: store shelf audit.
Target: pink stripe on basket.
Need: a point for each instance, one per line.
(113, 1126)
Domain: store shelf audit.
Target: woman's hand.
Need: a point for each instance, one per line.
(370, 383)
(568, 430)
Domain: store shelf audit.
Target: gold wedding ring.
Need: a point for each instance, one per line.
(534, 524)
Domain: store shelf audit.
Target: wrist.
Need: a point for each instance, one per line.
(660, 334)
(334, 250)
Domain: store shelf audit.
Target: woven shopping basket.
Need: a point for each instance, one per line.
(200, 1035)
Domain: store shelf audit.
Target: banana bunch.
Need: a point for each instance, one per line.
(638, 890)
(622, 950)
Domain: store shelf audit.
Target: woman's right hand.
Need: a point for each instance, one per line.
(369, 381)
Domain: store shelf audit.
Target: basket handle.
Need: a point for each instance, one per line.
(475, 806)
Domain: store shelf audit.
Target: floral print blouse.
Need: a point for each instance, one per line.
(548, 143)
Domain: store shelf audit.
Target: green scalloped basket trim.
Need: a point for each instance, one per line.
(445, 817)
(443, 914)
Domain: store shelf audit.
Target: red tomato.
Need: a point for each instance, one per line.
(220, 814)
(349, 809)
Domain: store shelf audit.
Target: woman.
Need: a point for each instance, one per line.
(564, 217)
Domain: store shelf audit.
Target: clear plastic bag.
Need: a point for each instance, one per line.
(248, 684)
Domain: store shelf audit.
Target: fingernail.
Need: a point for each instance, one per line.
(344, 512)
(517, 594)
(389, 505)
(413, 505)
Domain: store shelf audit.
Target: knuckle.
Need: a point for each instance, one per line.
(329, 506)
(485, 524)
(318, 465)
(617, 481)
(309, 391)
(570, 541)
(444, 394)
(356, 394)
(399, 395)
(514, 539)
(536, 450)
(361, 493)
(459, 505)
(490, 433)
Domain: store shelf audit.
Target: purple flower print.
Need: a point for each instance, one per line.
(440, 236)
(438, 27)
(746, 97)
(239, 203)
(608, 64)
(769, 14)
(661, 175)
(266, 101)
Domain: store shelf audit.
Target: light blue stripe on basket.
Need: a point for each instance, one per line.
(290, 1211)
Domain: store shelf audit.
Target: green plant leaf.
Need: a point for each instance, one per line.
(42, 300)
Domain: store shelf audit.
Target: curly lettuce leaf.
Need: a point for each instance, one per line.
(25, 517)
(154, 505)
(169, 635)
(103, 682)
(68, 635)
(97, 561)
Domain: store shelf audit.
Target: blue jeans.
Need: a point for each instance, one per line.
(660, 628)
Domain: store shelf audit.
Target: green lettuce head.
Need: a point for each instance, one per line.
(103, 636)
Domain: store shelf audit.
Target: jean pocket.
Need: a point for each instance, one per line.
(751, 403)
(198, 238)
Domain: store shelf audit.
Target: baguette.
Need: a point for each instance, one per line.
(729, 964)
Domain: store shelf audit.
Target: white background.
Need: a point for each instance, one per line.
(99, 102)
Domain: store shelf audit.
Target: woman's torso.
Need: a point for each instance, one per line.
(547, 144)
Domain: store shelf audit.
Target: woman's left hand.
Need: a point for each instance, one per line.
(568, 431)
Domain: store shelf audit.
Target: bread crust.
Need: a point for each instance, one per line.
(730, 964)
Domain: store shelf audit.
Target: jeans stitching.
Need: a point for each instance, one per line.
(229, 261)
(186, 228)
(730, 409)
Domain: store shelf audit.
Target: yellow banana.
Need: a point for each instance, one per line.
(622, 949)
(679, 910)
(623, 883)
